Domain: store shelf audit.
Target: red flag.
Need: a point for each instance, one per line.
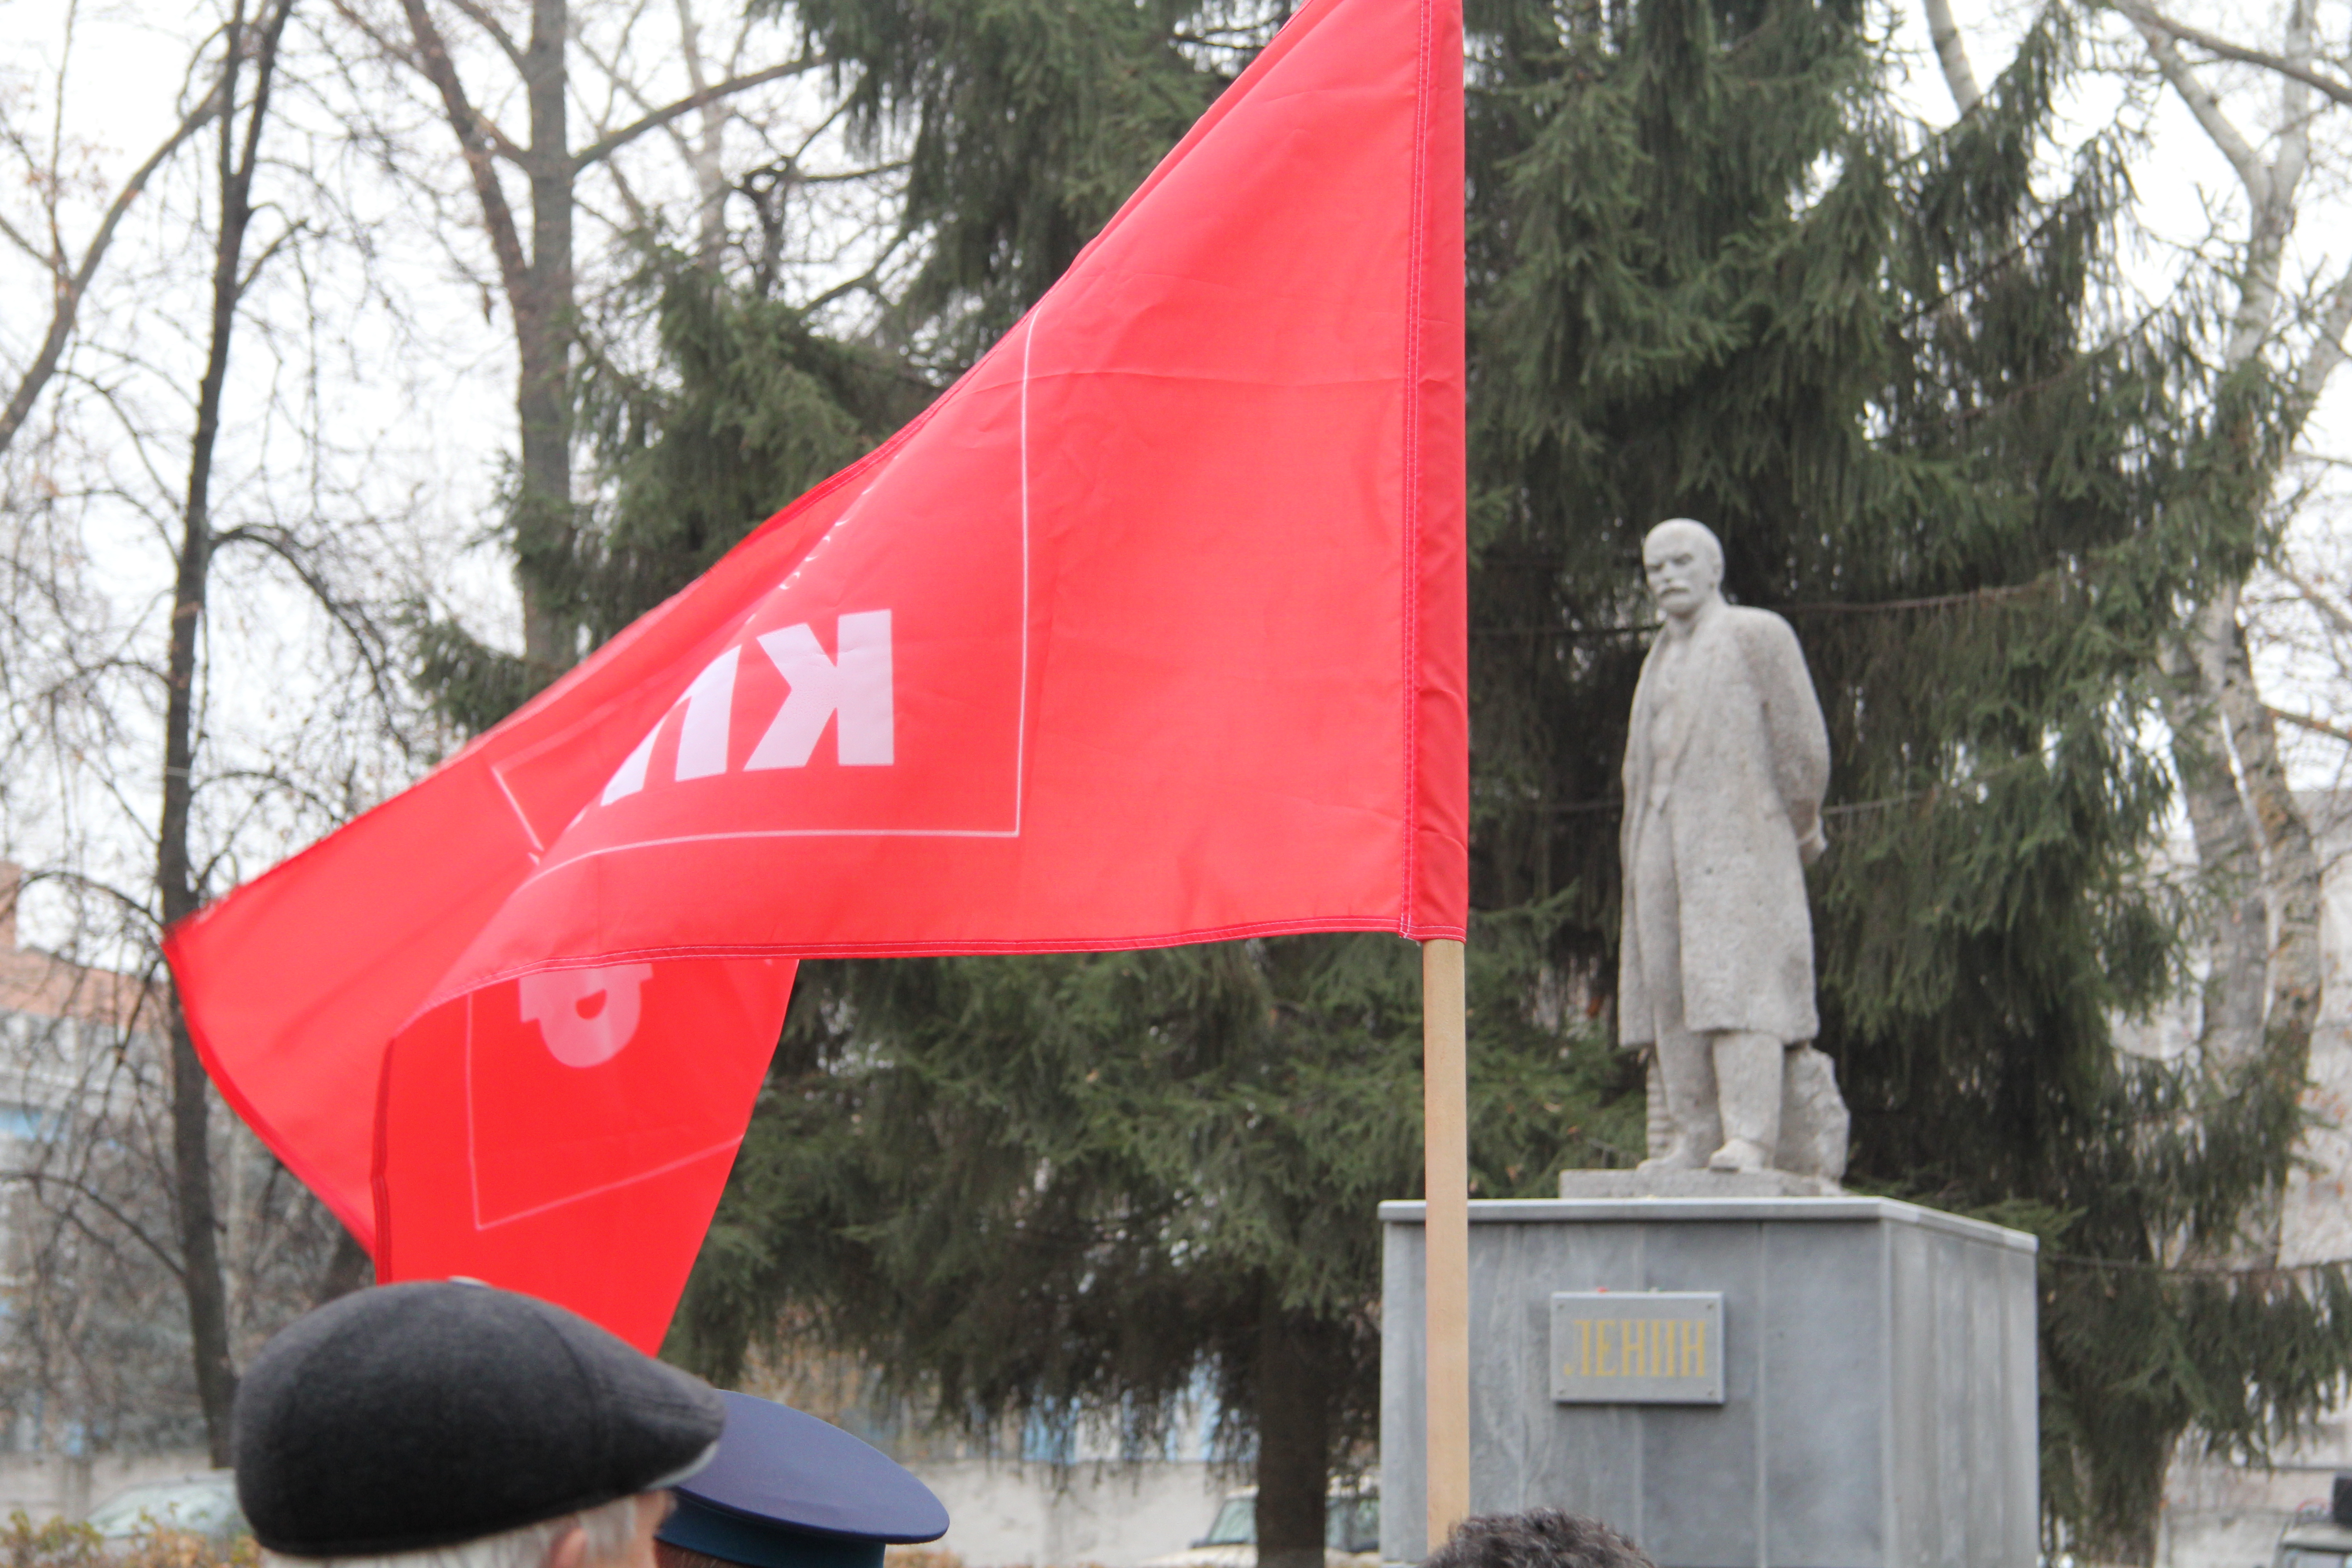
(1150, 630)
(567, 1132)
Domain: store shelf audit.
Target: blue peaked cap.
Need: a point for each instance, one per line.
(788, 1491)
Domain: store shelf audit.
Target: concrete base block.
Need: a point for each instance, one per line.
(1878, 1362)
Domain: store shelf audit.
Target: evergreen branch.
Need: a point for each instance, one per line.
(849, 176)
(1884, 803)
(866, 281)
(2146, 17)
(604, 147)
(1991, 267)
(1866, 607)
(2196, 1270)
(1934, 602)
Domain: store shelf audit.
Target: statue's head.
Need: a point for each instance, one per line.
(1684, 564)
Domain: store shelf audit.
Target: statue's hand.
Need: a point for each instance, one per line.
(1810, 847)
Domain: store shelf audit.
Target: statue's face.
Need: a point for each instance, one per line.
(1683, 570)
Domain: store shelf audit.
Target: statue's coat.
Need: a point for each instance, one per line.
(1739, 786)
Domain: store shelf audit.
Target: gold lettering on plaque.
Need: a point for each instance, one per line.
(1638, 1347)
(1653, 1350)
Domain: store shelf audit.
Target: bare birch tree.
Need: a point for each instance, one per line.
(42, 157)
(2254, 848)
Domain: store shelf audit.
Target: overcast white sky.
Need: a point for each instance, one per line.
(130, 54)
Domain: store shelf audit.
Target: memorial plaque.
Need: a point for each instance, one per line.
(1650, 1347)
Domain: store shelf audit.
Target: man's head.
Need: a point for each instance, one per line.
(1684, 564)
(1545, 1538)
(465, 1427)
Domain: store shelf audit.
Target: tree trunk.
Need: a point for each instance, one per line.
(200, 1264)
(2229, 1033)
(2262, 991)
(2292, 863)
(544, 322)
(1294, 1436)
(348, 1269)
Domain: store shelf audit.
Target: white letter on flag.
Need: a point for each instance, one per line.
(856, 688)
(701, 735)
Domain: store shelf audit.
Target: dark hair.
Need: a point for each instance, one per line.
(1541, 1538)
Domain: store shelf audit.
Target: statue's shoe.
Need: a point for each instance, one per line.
(1679, 1156)
(1740, 1155)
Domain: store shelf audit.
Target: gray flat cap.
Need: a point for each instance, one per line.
(424, 1415)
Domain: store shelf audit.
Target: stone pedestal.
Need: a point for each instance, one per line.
(1873, 1362)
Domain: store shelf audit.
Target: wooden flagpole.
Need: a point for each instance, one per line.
(1445, 1231)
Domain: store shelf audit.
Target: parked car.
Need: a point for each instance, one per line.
(203, 1503)
(1352, 1534)
(2320, 1534)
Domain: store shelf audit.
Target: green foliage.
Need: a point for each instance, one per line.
(1043, 1186)
(470, 683)
(1030, 120)
(754, 406)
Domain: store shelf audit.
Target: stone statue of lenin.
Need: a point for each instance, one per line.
(1725, 761)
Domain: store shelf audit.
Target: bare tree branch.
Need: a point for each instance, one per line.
(476, 138)
(2147, 18)
(482, 19)
(366, 639)
(2316, 726)
(38, 1179)
(606, 146)
(70, 290)
(2328, 348)
(2321, 605)
(2233, 145)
